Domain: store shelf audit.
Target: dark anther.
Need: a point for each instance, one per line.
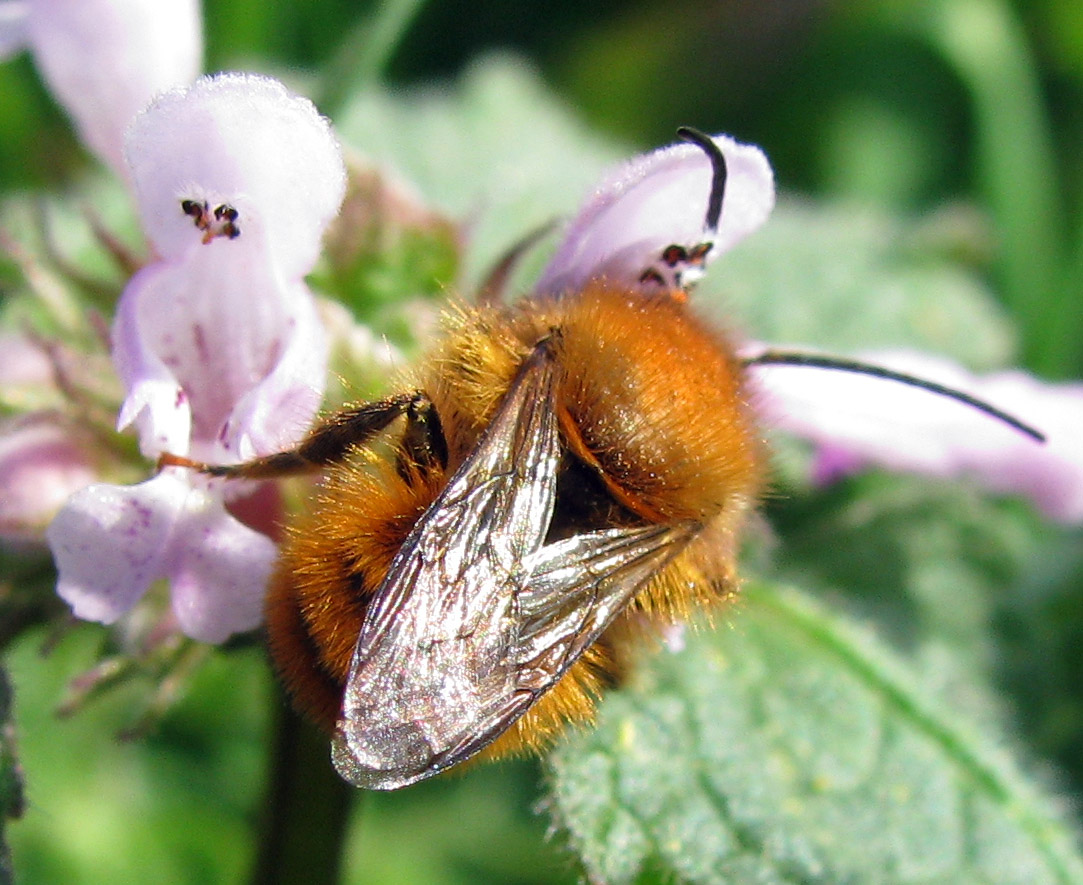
(674, 255)
(650, 275)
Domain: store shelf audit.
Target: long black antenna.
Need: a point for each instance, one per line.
(718, 178)
(818, 361)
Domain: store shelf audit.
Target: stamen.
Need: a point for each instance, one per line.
(680, 267)
(219, 222)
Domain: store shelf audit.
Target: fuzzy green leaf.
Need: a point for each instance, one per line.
(792, 747)
(495, 150)
(845, 280)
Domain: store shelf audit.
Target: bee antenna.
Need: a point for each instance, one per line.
(817, 361)
(718, 177)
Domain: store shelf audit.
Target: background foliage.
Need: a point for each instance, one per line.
(921, 681)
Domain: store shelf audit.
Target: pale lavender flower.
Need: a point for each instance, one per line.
(655, 201)
(218, 344)
(24, 364)
(104, 60)
(41, 463)
(858, 422)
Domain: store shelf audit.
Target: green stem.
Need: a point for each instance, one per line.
(985, 45)
(306, 808)
(365, 52)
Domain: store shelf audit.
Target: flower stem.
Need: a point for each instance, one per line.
(366, 50)
(306, 808)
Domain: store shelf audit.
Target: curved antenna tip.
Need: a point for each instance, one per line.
(718, 173)
(820, 361)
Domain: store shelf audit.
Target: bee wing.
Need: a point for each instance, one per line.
(433, 668)
(577, 587)
(476, 618)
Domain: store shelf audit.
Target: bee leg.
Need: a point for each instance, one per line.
(325, 444)
(422, 447)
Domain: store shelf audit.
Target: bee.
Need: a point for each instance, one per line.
(487, 545)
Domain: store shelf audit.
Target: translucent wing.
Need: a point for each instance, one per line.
(476, 618)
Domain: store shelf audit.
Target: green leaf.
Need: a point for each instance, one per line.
(1041, 651)
(11, 783)
(844, 279)
(928, 560)
(495, 150)
(792, 747)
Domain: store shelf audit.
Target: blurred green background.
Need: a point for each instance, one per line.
(903, 107)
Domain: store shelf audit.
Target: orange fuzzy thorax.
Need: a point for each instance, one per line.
(655, 430)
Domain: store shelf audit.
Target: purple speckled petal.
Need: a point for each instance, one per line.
(857, 420)
(275, 413)
(105, 60)
(222, 359)
(221, 571)
(654, 201)
(155, 401)
(110, 542)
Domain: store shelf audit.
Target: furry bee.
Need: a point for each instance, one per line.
(559, 473)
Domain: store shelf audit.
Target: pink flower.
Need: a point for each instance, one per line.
(218, 344)
(656, 201)
(857, 422)
(104, 60)
(41, 463)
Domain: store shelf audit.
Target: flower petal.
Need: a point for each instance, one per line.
(654, 201)
(242, 142)
(275, 413)
(215, 349)
(41, 463)
(110, 542)
(106, 59)
(155, 401)
(14, 27)
(858, 420)
(221, 571)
